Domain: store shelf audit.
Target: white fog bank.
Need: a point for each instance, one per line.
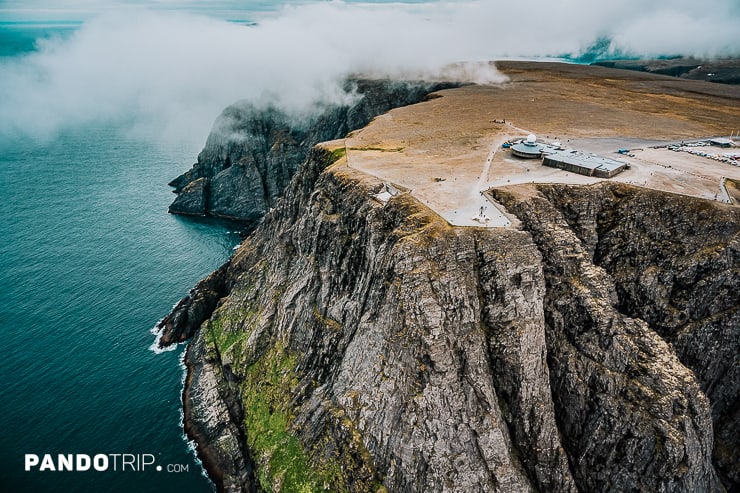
(167, 74)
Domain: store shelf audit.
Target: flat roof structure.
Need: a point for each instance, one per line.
(452, 138)
(583, 164)
(528, 149)
(722, 142)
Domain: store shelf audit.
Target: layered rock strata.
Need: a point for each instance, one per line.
(675, 264)
(354, 345)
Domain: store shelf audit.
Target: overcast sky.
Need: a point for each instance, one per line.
(173, 72)
(47, 10)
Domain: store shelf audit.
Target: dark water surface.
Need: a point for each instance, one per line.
(89, 261)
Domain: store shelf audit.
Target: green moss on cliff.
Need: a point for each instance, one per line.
(338, 154)
(327, 322)
(222, 339)
(283, 464)
(266, 388)
(224, 333)
(266, 383)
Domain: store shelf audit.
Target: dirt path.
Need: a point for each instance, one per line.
(447, 150)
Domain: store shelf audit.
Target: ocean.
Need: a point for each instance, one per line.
(89, 258)
(89, 261)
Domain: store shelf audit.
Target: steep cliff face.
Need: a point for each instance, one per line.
(361, 346)
(674, 262)
(252, 153)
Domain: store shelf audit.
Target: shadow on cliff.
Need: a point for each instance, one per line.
(361, 345)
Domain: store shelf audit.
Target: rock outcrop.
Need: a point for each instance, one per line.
(252, 152)
(354, 345)
(723, 71)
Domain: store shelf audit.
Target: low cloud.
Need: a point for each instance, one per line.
(169, 74)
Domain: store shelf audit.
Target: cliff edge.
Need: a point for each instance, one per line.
(252, 152)
(363, 345)
(356, 341)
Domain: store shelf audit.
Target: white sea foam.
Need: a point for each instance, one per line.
(158, 333)
(190, 444)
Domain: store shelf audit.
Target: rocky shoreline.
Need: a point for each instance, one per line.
(214, 424)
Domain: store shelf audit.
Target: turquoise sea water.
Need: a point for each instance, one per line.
(21, 37)
(89, 261)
